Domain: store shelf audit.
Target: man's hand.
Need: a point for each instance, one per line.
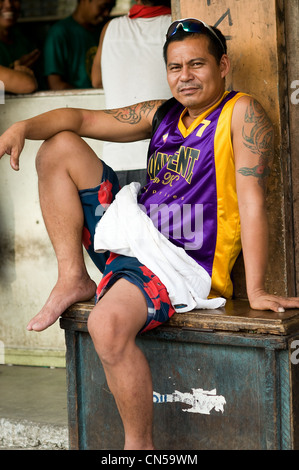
(12, 143)
(27, 60)
(261, 300)
(22, 68)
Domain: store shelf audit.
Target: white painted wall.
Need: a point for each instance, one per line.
(28, 267)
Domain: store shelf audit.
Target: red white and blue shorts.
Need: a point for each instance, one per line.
(94, 202)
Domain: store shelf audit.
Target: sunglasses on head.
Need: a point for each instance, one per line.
(192, 25)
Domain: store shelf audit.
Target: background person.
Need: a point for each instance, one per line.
(71, 45)
(21, 79)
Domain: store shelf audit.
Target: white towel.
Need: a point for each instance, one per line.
(125, 229)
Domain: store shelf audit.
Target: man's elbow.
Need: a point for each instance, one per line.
(30, 87)
(57, 83)
(25, 86)
(96, 81)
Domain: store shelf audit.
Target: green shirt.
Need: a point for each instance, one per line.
(69, 52)
(10, 52)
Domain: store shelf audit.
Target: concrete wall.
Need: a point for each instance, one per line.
(28, 268)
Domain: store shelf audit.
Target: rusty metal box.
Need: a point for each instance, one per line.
(221, 381)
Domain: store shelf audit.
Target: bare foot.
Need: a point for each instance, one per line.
(63, 295)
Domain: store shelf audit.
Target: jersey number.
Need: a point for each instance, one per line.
(205, 124)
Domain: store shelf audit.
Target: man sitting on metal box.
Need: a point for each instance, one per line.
(210, 148)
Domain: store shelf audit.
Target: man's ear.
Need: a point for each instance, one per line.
(224, 65)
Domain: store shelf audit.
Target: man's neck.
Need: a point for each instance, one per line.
(79, 17)
(193, 113)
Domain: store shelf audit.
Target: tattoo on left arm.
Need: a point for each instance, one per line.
(259, 141)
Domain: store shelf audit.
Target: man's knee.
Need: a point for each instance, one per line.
(51, 151)
(68, 153)
(109, 338)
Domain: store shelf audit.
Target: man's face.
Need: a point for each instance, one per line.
(97, 10)
(194, 77)
(9, 12)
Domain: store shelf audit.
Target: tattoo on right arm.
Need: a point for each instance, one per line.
(133, 114)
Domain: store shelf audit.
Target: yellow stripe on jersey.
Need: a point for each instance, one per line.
(228, 243)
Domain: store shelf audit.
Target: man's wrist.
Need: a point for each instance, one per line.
(20, 128)
(253, 293)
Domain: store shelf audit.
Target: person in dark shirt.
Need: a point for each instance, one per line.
(72, 43)
(17, 53)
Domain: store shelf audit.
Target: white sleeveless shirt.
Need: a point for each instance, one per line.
(133, 70)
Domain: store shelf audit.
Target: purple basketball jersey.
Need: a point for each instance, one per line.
(181, 194)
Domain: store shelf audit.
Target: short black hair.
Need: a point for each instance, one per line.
(214, 46)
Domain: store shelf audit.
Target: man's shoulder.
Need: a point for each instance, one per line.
(248, 109)
(62, 26)
(167, 105)
(240, 102)
(242, 99)
(162, 111)
(246, 100)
